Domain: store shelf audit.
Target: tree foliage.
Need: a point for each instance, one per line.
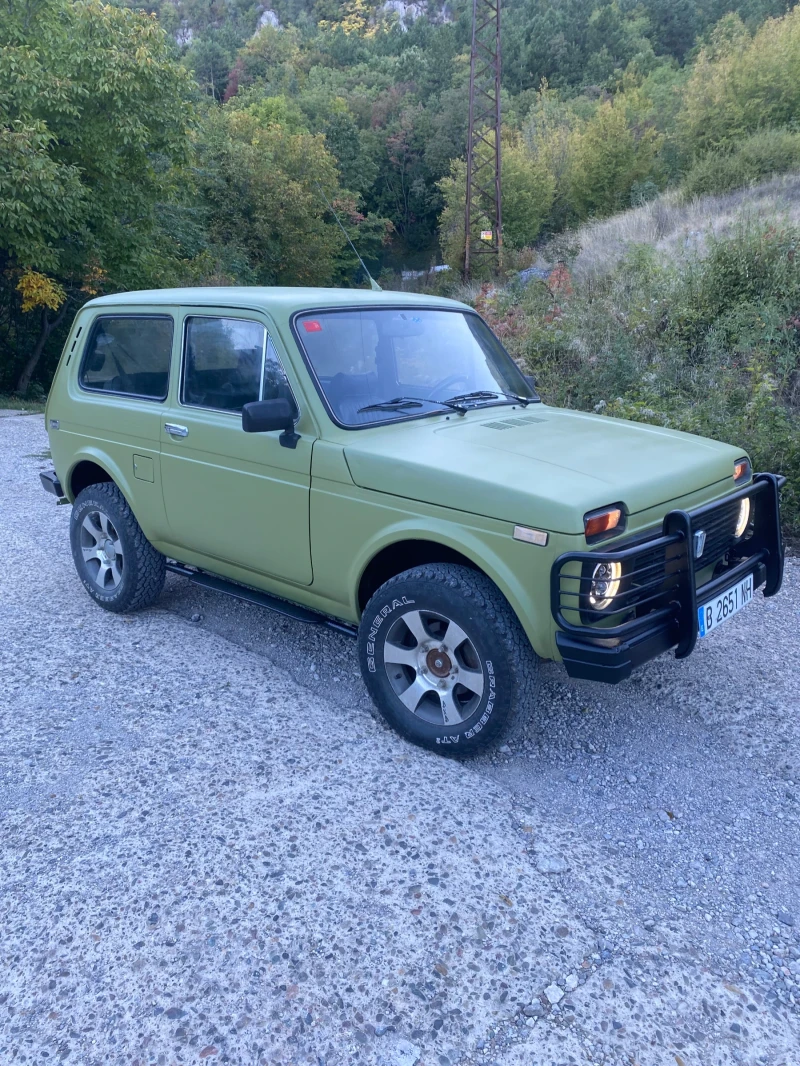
(741, 84)
(201, 141)
(609, 159)
(528, 191)
(93, 109)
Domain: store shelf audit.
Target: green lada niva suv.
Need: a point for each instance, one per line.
(377, 462)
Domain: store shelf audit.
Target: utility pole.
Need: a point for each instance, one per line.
(483, 222)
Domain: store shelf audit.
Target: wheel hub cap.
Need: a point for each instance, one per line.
(438, 662)
(107, 553)
(433, 667)
(101, 549)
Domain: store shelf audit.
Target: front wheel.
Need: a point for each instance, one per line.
(445, 659)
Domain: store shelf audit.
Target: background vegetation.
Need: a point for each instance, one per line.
(197, 142)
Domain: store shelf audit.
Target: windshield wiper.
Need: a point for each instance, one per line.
(400, 403)
(483, 394)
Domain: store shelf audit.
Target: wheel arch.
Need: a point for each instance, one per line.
(402, 555)
(84, 473)
(409, 548)
(91, 467)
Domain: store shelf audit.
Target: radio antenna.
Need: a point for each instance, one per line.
(372, 282)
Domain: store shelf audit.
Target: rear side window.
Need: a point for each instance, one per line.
(129, 355)
(229, 362)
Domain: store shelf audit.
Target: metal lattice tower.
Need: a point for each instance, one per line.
(483, 223)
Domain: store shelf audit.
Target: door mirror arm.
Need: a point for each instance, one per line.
(267, 416)
(289, 439)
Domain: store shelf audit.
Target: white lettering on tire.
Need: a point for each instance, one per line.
(484, 718)
(377, 622)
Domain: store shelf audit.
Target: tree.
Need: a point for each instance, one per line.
(272, 57)
(210, 60)
(608, 158)
(674, 25)
(262, 185)
(549, 135)
(528, 191)
(740, 84)
(94, 111)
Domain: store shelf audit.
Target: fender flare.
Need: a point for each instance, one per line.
(533, 616)
(94, 455)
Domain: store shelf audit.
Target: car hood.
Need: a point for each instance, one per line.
(541, 466)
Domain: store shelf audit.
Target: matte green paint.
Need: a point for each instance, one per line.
(305, 523)
(144, 468)
(237, 497)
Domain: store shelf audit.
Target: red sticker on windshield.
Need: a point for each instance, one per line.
(312, 326)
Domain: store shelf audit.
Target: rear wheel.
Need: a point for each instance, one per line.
(445, 658)
(118, 566)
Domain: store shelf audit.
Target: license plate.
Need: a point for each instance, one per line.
(715, 612)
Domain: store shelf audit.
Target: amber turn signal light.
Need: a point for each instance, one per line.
(741, 470)
(599, 523)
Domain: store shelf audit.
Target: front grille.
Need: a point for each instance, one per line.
(719, 527)
(650, 575)
(653, 569)
(658, 591)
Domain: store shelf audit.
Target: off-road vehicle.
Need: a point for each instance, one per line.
(377, 462)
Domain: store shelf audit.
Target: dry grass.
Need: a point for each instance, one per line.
(675, 226)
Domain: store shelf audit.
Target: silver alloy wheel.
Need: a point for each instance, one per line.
(433, 667)
(102, 550)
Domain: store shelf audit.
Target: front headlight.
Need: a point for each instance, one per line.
(605, 585)
(743, 519)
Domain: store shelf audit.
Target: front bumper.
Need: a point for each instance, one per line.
(656, 606)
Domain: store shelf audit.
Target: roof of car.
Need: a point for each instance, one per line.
(284, 299)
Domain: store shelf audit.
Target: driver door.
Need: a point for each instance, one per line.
(232, 496)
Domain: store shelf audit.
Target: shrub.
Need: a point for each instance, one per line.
(756, 265)
(742, 84)
(609, 159)
(708, 345)
(759, 156)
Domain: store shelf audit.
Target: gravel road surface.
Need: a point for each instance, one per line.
(212, 851)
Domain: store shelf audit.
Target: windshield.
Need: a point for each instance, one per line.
(362, 358)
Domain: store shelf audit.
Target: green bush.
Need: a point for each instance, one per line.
(741, 84)
(709, 344)
(749, 276)
(756, 157)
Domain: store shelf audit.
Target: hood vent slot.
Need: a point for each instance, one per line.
(511, 423)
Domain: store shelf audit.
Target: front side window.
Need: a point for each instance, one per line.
(130, 355)
(229, 362)
(362, 358)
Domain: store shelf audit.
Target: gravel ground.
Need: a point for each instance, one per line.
(213, 851)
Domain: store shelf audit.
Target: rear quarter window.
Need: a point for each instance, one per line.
(128, 355)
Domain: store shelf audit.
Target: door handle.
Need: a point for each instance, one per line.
(176, 431)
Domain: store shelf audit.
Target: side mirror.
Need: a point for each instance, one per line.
(531, 380)
(267, 416)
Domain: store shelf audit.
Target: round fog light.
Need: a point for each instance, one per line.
(743, 519)
(605, 584)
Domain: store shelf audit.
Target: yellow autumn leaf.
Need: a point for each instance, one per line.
(37, 290)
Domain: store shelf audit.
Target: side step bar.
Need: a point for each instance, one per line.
(261, 599)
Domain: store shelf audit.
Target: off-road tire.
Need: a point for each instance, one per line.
(475, 604)
(143, 571)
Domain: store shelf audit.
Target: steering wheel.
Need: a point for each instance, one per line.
(450, 380)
